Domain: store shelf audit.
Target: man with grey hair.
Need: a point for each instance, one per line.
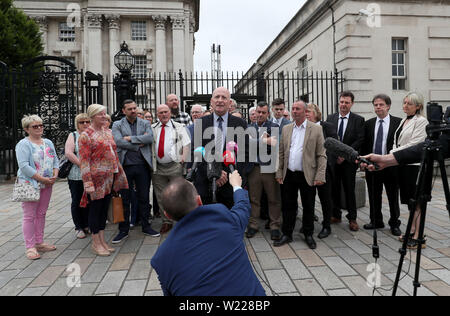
(233, 106)
(197, 113)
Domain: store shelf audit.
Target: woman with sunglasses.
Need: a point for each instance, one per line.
(79, 214)
(38, 165)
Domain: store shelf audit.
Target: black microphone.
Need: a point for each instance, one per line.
(214, 172)
(199, 153)
(340, 149)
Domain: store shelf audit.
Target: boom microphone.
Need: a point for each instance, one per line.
(340, 149)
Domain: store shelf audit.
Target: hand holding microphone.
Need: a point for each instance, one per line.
(348, 153)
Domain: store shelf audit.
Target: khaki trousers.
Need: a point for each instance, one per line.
(257, 183)
(161, 178)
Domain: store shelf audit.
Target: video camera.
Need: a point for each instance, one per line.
(439, 122)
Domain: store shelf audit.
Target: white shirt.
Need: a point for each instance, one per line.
(296, 150)
(345, 123)
(170, 148)
(386, 124)
(277, 121)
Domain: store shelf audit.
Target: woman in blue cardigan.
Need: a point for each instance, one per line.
(38, 165)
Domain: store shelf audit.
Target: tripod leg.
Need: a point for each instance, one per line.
(444, 181)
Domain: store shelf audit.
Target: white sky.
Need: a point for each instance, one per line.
(244, 29)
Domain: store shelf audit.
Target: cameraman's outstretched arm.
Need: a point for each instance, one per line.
(242, 208)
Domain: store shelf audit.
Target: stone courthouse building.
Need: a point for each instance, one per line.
(89, 32)
(383, 46)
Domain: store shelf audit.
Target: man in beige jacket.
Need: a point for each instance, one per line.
(302, 166)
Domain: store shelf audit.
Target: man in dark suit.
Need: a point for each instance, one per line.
(379, 139)
(350, 132)
(205, 253)
(278, 109)
(213, 132)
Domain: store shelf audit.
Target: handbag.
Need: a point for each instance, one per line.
(115, 212)
(65, 164)
(25, 192)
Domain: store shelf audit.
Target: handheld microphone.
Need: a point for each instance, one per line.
(233, 147)
(229, 159)
(348, 153)
(214, 172)
(199, 154)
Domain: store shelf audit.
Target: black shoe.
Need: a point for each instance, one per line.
(396, 231)
(324, 233)
(283, 241)
(310, 242)
(251, 232)
(119, 238)
(372, 226)
(275, 234)
(267, 225)
(150, 232)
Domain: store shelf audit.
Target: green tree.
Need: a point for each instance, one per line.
(20, 38)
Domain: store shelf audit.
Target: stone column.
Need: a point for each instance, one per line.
(114, 41)
(191, 43)
(160, 49)
(43, 27)
(95, 55)
(178, 27)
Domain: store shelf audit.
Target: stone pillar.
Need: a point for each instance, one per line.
(43, 27)
(114, 42)
(178, 27)
(160, 47)
(94, 47)
(191, 43)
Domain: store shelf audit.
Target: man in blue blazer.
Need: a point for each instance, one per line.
(205, 253)
(134, 137)
(278, 108)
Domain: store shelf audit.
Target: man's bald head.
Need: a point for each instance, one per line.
(163, 113)
(173, 103)
(221, 101)
(179, 198)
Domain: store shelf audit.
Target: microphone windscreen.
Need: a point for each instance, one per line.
(340, 149)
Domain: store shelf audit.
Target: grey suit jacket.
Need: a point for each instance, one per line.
(144, 136)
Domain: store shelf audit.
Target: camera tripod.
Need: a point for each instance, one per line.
(432, 152)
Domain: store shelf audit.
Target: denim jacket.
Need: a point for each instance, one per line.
(24, 154)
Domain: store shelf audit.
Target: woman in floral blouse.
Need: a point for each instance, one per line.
(38, 165)
(100, 171)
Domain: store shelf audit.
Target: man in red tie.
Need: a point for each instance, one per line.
(172, 144)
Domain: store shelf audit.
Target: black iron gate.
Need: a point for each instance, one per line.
(48, 86)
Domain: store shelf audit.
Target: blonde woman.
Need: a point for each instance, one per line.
(412, 131)
(38, 165)
(79, 214)
(101, 173)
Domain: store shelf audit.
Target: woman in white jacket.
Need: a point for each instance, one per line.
(412, 131)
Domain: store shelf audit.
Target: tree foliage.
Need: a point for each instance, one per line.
(20, 38)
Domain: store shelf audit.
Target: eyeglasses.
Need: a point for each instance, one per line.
(37, 126)
(84, 122)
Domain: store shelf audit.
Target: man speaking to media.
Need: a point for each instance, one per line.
(205, 253)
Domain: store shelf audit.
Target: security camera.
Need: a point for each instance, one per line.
(365, 13)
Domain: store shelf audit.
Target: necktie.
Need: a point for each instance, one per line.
(341, 129)
(379, 141)
(161, 142)
(220, 139)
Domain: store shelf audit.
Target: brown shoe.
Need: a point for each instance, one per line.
(354, 226)
(335, 220)
(165, 228)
